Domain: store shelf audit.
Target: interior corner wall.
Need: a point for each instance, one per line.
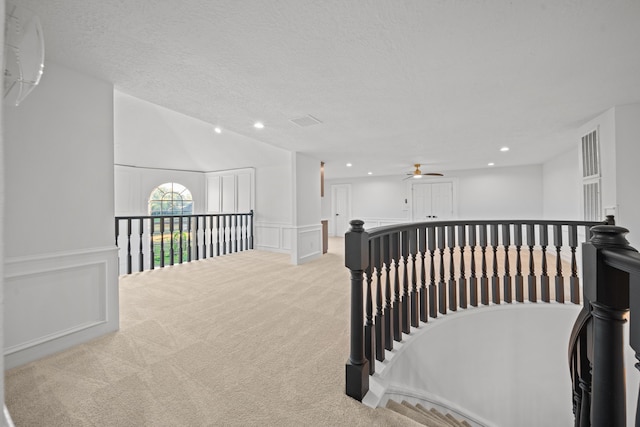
(61, 284)
(562, 186)
(627, 132)
(307, 240)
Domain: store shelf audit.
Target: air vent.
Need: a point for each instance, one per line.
(590, 155)
(591, 196)
(306, 121)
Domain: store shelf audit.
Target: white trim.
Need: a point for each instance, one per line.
(50, 337)
(13, 262)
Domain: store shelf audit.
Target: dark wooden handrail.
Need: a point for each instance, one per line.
(158, 240)
(580, 344)
(388, 229)
(427, 269)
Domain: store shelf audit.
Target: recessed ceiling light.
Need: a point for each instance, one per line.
(490, 164)
(217, 130)
(369, 173)
(349, 165)
(258, 125)
(504, 149)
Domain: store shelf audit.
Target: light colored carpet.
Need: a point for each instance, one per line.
(240, 340)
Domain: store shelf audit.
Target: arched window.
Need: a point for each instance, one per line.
(170, 198)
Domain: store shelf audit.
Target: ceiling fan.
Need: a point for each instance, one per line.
(418, 173)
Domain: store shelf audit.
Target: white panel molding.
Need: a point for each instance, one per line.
(214, 197)
(232, 190)
(228, 193)
(40, 287)
(308, 243)
(273, 237)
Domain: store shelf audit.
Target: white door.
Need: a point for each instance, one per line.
(432, 201)
(341, 208)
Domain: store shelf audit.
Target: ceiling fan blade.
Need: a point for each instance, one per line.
(432, 174)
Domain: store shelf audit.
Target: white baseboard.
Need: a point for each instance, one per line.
(56, 301)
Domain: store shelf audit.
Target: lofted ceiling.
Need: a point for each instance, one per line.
(445, 83)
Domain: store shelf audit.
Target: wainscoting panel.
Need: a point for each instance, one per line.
(308, 244)
(274, 237)
(56, 301)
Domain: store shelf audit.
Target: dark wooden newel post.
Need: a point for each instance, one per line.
(356, 243)
(607, 289)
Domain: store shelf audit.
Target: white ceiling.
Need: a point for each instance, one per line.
(395, 82)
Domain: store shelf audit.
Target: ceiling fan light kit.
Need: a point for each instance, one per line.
(417, 174)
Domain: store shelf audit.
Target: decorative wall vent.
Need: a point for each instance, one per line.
(592, 198)
(590, 155)
(592, 208)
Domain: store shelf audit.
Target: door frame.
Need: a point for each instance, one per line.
(454, 195)
(332, 221)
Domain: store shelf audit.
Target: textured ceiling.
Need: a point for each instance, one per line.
(440, 82)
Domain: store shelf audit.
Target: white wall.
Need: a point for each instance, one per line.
(562, 186)
(59, 166)
(627, 119)
(476, 360)
(619, 150)
(490, 193)
(60, 270)
(307, 239)
(500, 193)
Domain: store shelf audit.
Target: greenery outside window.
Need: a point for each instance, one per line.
(170, 237)
(170, 198)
